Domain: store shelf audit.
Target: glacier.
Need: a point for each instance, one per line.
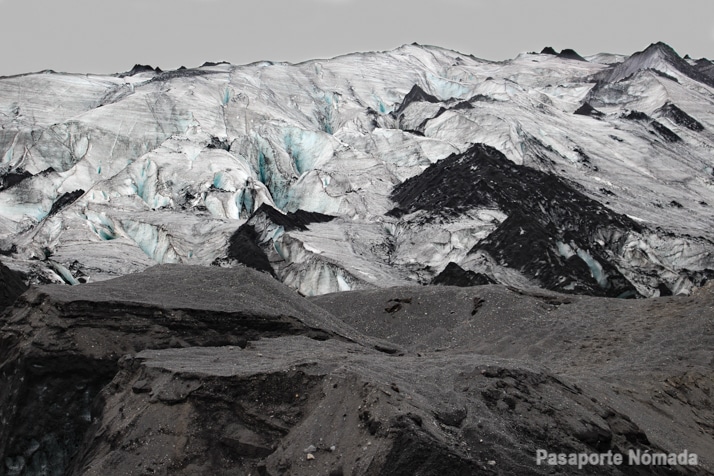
(105, 175)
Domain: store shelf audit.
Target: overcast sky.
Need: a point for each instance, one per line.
(107, 36)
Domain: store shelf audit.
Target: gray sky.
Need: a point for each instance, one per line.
(106, 36)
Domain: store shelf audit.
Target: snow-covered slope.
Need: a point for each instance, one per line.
(590, 175)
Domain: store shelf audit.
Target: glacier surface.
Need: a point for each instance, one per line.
(107, 175)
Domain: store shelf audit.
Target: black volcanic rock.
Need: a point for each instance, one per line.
(571, 55)
(461, 105)
(672, 112)
(567, 53)
(636, 116)
(261, 408)
(11, 286)
(665, 132)
(244, 247)
(416, 94)
(455, 275)
(679, 117)
(705, 67)
(528, 245)
(140, 68)
(64, 200)
(543, 210)
(297, 220)
(213, 63)
(483, 176)
(219, 143)
(587, 110)
(13, 178)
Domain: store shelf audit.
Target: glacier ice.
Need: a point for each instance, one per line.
(173, 163)
(64, 273)
(152, 240)
(595, 267)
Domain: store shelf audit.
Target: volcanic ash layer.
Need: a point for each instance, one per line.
(205, 370)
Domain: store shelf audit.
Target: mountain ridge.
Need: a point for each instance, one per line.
(657, 56)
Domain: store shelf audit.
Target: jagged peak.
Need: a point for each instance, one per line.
(654, 53)
(567, 53)
(659, 57)
(570, 54)
(660, 47)
(140, 68)
(214, 63)
(705, 67)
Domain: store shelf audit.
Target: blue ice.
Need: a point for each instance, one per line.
(595, 268)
